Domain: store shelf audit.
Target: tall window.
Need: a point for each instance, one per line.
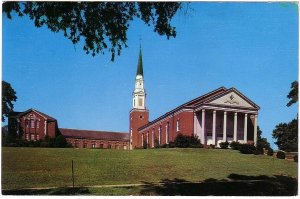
(37, 124)
(27, 123)
(177, 125)
(147, 138)
(159, 135)
(32, 137)
(153, 137)
(93, 145)
(32, 123)
(167, 132)
(101, 146)
(37, 137)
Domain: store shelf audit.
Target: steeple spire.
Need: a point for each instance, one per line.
(140, 64)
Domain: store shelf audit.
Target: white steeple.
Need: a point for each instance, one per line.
(139, 93)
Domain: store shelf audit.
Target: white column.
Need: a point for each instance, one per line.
(203, 127)
(235, 127)
(255, 130)
(224, 126)
(214, 128)
(245, 128)
(142, 140)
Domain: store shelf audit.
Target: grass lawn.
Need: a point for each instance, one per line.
(49, 167)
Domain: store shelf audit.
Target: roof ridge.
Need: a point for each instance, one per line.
(106, 131)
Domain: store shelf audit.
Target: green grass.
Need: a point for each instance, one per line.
(49, 167)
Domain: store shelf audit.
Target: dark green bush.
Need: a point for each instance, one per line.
(185, 141)
(171, 144)
(247, 149)
(234, 145)
(224, 145)
(280, 155)
(295, 158)
(270, 152)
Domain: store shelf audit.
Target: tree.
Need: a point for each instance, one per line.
(8, 97)
(293, 94)
(262, 143)
(286, 135)
(102, 25)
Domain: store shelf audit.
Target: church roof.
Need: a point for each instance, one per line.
(19, 114)
(200, 101)
(96, 135)
(140, 64)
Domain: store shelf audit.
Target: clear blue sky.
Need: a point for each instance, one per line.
(250, 46)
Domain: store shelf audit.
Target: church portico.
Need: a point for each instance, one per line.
(214, 125)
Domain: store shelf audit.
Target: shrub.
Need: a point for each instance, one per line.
(280, 155)
(270, 152)
(185, 141)
(247, 149)
(224, 145)
(295, 158)
(234, 145)
(171, 144)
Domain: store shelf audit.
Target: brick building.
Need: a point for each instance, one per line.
(33, 125)
(218, 116)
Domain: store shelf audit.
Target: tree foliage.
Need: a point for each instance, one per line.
(293, 94)
(286, 135)
(102, 25)
(8, 97)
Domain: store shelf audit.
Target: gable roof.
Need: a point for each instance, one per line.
(236, 92)
(96, 135)
(47, 117)
(203, 99)
(19, 114)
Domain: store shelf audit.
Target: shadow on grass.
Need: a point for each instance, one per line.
(235, 185)
(53, 191)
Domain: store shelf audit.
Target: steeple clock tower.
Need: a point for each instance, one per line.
(139, 114)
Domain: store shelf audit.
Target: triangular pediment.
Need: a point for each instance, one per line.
(233, 98)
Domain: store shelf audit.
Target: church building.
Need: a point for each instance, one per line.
(218, 116)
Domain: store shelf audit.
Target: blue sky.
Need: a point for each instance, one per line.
(250, 46)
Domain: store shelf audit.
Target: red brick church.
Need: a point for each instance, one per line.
(220, 115)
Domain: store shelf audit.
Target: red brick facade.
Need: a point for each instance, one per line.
(32, 125)
(137, 118)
